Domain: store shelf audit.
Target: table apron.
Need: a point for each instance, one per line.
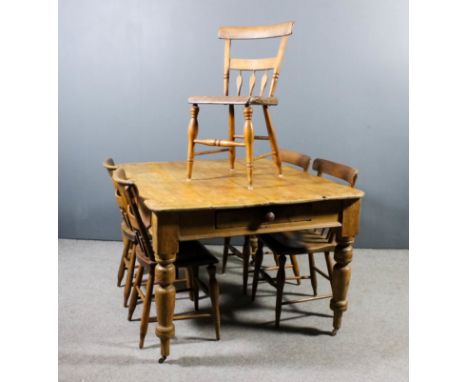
(260, 219)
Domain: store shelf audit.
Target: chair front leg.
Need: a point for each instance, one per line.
(248, 140)
(273, 142)
(295, 268)
(130, 273)
(313, 272)
(280, 280)
(146, 306)
(191, 136)
(258, 265)
(227, 242)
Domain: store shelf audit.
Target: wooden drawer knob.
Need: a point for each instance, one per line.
(269, 216)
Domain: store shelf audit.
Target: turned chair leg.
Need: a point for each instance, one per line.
(192, 135)
(258, 265)
(195, 287)
(123, 260)
(295, 268)
(214, 296)
(146, 307)
(130, 274)
(273, 142)
(248, 140)
(191, 282)
(329, 261)
(227, 241)
(313, 273)
(232, 132)
(134, 297)
(280, 280)
(245, 264)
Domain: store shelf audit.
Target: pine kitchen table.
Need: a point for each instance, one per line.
(216, 203)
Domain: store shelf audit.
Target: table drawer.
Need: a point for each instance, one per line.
(254, 218)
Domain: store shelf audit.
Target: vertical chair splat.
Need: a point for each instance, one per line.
(252, 80)
(239, 81)
(263, 83)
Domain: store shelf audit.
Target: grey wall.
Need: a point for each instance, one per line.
(126, 68)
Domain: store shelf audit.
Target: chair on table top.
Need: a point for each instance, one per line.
(287, 156)
(265, 98)
(302, 242)
(127, 261)
(191, 255)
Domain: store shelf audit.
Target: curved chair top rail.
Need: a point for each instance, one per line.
(337, 170)
(295, 158)
(109, 165)
(256, 32)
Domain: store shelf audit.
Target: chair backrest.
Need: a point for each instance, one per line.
(337, 170)
(135, 211)
(282, 31)
(295, 158)
(110, 166)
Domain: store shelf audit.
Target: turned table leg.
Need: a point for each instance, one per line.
(340, 280)
(165, 247)
(165, 303)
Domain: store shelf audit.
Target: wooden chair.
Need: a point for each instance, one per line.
(287, 156)
(264, 99)
(127, 261)
(302, 242)
(192, 254)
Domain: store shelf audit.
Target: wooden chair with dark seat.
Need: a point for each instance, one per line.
(191, 255)
(290, 157)
(265, 99)
(302, 242)
(127, 260)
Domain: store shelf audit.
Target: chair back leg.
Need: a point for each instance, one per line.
(214, 296)
(273, 142)
(245, 263)
(232, 132)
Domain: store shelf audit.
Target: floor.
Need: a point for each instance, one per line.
(97, 343)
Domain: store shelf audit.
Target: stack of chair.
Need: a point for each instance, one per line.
(191, 256)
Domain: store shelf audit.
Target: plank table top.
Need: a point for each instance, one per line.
(163, 185)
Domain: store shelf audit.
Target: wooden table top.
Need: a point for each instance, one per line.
(164, 187)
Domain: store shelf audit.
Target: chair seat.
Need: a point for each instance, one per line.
(191, 253)
(233, 100)
(300, 242)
